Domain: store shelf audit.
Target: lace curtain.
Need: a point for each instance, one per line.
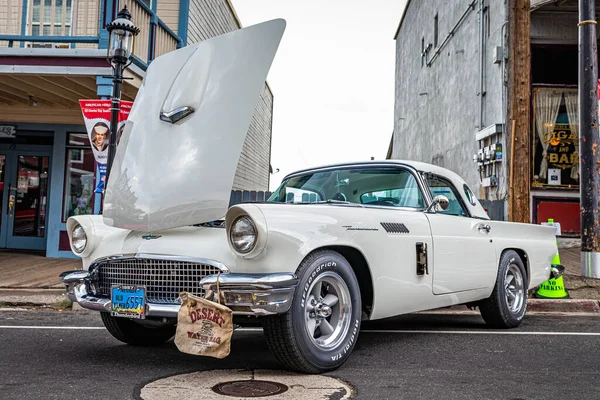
(571, 101)
(547, 104)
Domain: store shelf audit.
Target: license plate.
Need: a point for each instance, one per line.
(128, 301)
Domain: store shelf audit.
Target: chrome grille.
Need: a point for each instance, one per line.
(164, 279)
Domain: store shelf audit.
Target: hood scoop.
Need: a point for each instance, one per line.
(178, 153)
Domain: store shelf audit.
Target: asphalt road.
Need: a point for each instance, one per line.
(421, 356)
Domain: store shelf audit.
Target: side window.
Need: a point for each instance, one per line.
(399, 189)
(442, 186)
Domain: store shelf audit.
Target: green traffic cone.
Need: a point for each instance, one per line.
(553, 288)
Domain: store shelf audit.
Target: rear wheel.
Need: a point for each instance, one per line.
(506, 307)
(131, 332)
(319, 331)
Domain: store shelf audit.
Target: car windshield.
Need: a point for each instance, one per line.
(380, 186)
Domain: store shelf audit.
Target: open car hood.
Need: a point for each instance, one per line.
(176, 159)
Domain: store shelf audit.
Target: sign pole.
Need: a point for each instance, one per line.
(589, 150)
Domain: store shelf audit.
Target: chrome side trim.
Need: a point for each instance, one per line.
(177, 114)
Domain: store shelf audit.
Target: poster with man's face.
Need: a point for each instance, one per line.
(96, 115)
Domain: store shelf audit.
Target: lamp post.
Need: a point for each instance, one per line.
(121, 42)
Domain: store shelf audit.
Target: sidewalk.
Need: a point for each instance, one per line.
(29, 270)
(578, 286)
(29, 278)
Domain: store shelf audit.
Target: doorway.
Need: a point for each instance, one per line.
(24, 186)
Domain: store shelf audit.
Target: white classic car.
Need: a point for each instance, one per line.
(333, 246)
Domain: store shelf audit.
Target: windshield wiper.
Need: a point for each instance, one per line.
(330, 201)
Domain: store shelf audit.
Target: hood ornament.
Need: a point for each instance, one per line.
(176, 115)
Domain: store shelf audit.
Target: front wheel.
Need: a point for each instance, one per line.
(131, 332)
(320, 330)
(506, 307)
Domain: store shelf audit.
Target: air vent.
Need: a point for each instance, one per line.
(393, 227)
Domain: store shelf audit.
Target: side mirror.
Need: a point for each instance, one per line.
(440, 203)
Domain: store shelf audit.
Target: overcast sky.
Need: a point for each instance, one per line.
(332, 78)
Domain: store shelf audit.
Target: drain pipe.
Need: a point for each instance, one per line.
(483, 168)
(504, 113)
(481, 62)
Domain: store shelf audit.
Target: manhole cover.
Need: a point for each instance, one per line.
(246, 384)
(250, 388)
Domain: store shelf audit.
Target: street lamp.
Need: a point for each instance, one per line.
(121, 43)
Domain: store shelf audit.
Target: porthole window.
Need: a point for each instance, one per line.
(470, 195)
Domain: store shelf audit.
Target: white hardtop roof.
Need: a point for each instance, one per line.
(418, 165)
(476, 209)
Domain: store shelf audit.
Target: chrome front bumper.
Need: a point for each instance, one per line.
(245, 294)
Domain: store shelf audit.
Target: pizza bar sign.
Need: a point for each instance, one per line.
(7, 131)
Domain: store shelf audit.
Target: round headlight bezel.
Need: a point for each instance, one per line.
(235, 226)
(77, 235)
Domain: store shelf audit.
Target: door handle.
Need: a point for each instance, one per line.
(484, 227)
(11, 202)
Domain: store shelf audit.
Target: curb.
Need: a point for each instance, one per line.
(564, 305)
(32, 297)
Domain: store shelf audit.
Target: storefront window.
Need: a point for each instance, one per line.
(555, 138)
(80, 177)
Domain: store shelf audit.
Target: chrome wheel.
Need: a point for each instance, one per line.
(328, 310)
(514, 288)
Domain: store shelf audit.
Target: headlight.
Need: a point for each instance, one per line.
(78, 238)
(243, 234)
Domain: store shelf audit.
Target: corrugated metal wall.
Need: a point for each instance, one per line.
(209, 18)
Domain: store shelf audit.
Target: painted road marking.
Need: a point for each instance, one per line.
(51, 327)
(397, 331)
(483, 332)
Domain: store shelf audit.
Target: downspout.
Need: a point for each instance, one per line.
(504, 109)
(481, 62)
(482, 168)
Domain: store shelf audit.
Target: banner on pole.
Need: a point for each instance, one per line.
(96, 114)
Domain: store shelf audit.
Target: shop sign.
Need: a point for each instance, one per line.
(8, 131)
(562, 151)
(96, 114)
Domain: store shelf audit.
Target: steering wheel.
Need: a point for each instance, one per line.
(339, 197)
(389, 200)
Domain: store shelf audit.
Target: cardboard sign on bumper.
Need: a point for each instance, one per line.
(204, 328)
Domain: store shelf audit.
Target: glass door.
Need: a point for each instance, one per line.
(25, 194)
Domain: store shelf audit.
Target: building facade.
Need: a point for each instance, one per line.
(457, 72)
(52, 54)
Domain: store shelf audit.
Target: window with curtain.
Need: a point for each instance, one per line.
(555, 138)
(51, 17)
